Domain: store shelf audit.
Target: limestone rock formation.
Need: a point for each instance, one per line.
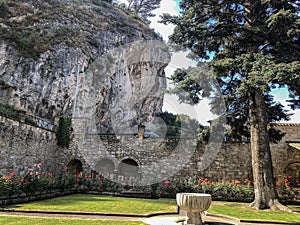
(64, 58)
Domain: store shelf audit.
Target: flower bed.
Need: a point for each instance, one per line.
(37, 184)
(234, 190)
(221, 190)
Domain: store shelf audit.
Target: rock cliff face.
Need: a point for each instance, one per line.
(80, 58)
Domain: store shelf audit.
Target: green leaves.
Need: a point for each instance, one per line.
(255, 46)
(64, 131)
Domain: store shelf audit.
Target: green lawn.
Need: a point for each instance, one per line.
(295, 207)
(243, 211)
(101, 204)
(20, 220)
(107, 204)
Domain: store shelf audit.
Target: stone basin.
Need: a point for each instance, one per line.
(194, 204)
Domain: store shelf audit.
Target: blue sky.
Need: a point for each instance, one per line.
(177, 5)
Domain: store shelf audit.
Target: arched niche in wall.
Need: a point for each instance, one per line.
(75, 166)
(293, 169)
(105, 167)
(128, 168)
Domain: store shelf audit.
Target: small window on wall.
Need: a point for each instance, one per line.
(74, 166)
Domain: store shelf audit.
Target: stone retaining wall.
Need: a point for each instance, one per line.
(22, 198)
(22, 145)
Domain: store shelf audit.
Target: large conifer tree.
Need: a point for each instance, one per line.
(256, 47)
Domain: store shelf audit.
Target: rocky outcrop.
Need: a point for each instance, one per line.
(80, 58)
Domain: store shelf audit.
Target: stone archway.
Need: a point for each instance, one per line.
(293, 169)
(74, 166)
(105, 167)
(128, 168)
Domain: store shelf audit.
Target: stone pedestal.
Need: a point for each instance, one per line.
(194, 204)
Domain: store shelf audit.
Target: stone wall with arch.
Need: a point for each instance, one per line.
(128, 168)
(23, 145)
(74, 166)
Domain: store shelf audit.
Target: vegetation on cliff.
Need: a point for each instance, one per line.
(34, 27)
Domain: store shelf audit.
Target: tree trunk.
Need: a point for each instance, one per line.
(264, 185)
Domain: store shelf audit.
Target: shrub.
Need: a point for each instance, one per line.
(64, 131)
(29, 120)
(4, 11)
(286, 190)
(8, 111)
(227, 190)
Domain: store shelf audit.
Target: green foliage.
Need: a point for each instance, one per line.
(65, 31)
(27, 42)
(34, 27)
(66, 221)
(8, 111)
(226, 190)
(4, 11)
(64, 131)
(29, 120)
(141, 8)
(172, 123)
(108, 204)
(244, 212)
(99, 2)
(254, 46)
(177, 124)
(254, 49)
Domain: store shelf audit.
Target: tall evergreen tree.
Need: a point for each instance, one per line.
(144, 8)
(256, 47)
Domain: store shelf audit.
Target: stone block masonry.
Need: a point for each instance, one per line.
(149, 159)
(160, 158)
(22, 146)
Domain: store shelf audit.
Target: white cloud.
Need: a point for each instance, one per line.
(201, 111)
(167, 6)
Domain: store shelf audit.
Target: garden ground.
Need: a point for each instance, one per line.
(125, 211)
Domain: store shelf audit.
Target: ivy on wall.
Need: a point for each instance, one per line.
(64, 131)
